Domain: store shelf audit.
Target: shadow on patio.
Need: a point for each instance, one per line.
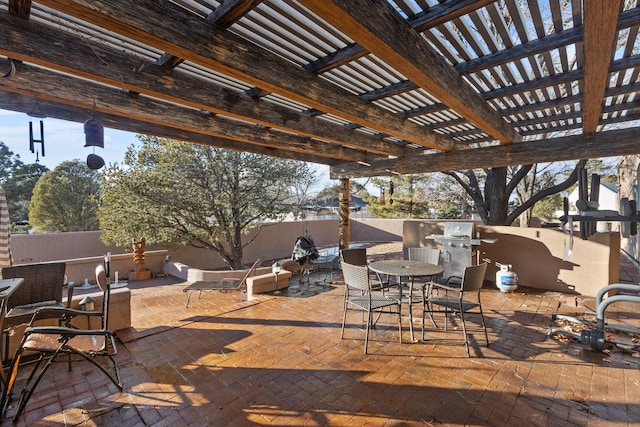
(278, 360)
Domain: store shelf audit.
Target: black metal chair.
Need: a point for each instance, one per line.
(49, 342)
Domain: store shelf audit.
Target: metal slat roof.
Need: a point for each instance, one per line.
(412, 86)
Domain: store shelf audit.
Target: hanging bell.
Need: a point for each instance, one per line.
(94, 133)
(94, 162)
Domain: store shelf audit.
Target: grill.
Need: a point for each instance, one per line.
(457, 247)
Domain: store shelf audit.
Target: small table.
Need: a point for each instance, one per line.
(7, 288)
(410, 269)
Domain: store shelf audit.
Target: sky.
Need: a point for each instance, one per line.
(64, 140)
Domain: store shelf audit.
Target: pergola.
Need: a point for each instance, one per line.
(368, 87)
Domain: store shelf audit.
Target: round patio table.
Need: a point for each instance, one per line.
(410, 269)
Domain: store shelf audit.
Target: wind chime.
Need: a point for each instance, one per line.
(94, 137)
(36, 113)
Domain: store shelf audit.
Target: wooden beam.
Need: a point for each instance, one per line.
(154, 24)
(24, 103)
(344, 197)
(444, 12)
(224, 15)
(335, 59)
(602, 144)
(378, 28)
(436, 15)
(20, 8)
(600, 23)
(63, 89)
(30, 42)
(230, 11)
(541, 45)
(524, 50)
(391, 90)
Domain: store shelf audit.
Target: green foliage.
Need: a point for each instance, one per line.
(65, 199)
(355, 189)
(9, 162)
(19, 189)
(404, 198)
(547, 207)
(18, 181)
(172, 192)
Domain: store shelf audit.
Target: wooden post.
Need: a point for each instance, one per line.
(343, 200)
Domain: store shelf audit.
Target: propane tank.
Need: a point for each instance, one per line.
(506, 280)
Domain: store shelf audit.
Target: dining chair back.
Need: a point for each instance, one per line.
(41, 287)
(430, 255)
(364, 299)
(355, 256)
(471, 285)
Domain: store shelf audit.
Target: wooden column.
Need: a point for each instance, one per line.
(343, 199)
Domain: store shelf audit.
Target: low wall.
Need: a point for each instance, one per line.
(535, 253)
(275, 241)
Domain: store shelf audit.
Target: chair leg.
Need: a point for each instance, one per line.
(464, 331)
(400, 322)
(344, 317)
(366, 334)
(10, 381)
(115, 379)
(484, 326)
(30, 388)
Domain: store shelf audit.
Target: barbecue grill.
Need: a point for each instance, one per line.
(458, 247)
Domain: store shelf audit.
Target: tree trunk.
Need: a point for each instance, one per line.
(496, 196)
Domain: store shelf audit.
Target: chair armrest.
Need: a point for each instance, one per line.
(448, 285)
(70, 288)
(62, 330)
(63, 313)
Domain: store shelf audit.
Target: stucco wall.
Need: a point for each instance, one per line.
(83, 250)
(536, 255)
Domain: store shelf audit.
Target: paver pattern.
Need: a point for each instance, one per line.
(278, 360)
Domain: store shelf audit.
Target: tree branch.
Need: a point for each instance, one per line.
(571, 179)
(517, 177)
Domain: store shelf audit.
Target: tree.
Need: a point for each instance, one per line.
(301, 188)
(404, 197)
(18, 180)
(19, 189)
(492, 196)
(65, 199)
(9, 162)
(173, 192)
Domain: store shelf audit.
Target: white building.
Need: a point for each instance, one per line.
(607, 200)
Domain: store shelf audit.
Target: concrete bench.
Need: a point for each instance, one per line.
(267, 283)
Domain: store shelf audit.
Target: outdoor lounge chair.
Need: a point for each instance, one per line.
(225, 285)
(49, 342)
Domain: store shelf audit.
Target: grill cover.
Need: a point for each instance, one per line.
(304, 250)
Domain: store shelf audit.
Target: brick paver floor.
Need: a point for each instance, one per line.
(278, 360)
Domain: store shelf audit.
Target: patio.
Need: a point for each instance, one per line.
(278, 360)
